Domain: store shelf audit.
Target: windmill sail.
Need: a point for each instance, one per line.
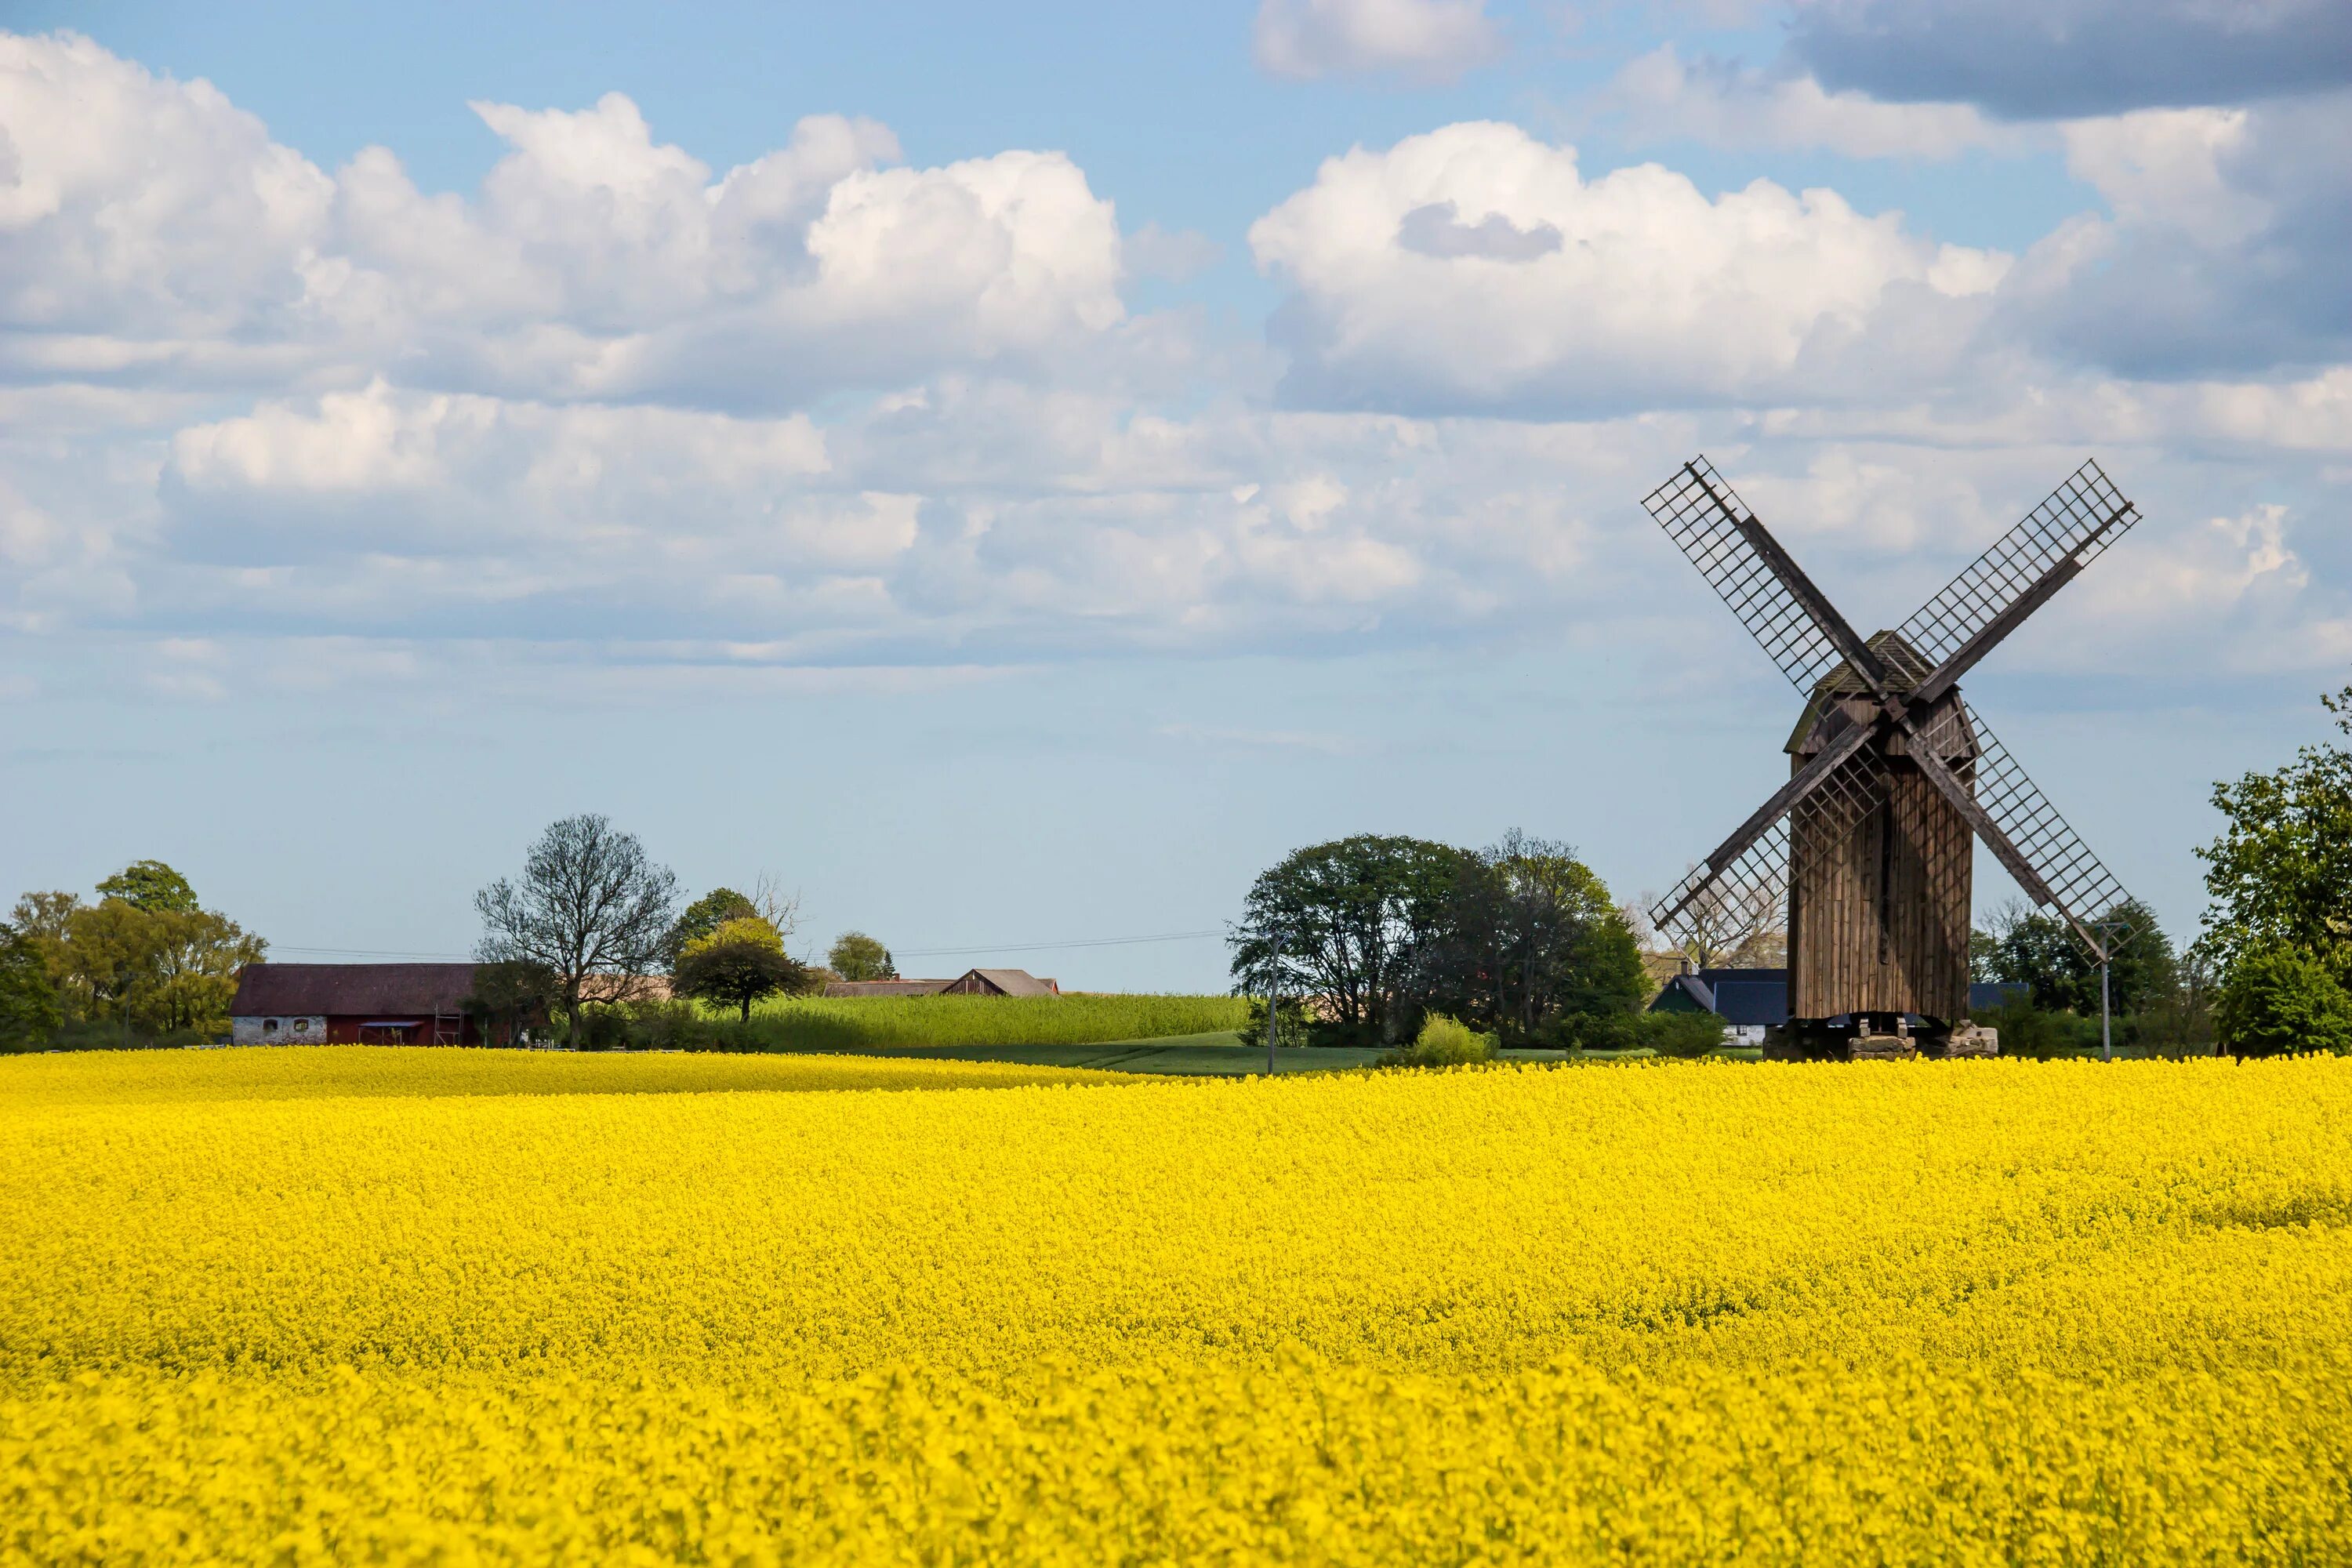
(2075, 523)
(1702, 517)
(2082, 890)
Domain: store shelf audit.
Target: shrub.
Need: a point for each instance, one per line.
(1295, 1024)
(1686, 1035)
(1442, 1043)
(2278, 1001)
(1668, 1034)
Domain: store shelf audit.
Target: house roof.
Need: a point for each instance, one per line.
(1013, 982)
(378, 990)
(885, 987)
(1749, 1003)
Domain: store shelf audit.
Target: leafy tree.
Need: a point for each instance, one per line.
(1348, 921)
(41, 919)
(2280, 873)
(2023, 947)
(2282, 999)
(198, 956)
(112, 947)
(739, 963)
(856, 956)
(703, 917)
(29, 1010)
(151, 886)
(591, 906)
(1532, 934)
(511, 997)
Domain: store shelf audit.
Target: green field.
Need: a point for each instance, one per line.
(987, 1025)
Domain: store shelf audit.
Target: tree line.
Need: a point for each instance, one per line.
(591, 928)
(140, 960)
(1519, 940)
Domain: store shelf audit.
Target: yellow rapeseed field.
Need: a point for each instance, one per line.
(274, 1307)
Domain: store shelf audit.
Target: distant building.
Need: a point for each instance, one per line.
(354, 1003)
(1754, 1000)
(1749, 1001)
(971, 983)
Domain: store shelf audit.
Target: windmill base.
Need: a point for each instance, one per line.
(1876, 1036)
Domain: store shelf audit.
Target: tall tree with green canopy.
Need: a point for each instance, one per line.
(739, 963)
(29, 1009)
(856, 956)
(1531, 935)
(2280, 876)
(703, 917)
(2023, 947)
(1348, 921)
(151, 885)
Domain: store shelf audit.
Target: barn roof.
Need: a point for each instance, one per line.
(885, 987)
(380, 990)
(1014, 982)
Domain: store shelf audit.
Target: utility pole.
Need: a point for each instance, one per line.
(2106, 1035)
(1273, 1022)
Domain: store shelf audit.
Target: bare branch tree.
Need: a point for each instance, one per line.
(591, 907)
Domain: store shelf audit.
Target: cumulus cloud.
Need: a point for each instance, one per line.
(151, 229)
(2047, 60)
(1474, 267)
(1436, 39)
(2224, 249)
(1662, 96)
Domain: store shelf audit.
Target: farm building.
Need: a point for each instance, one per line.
(354, 1003)
(1754, 1000)
(971, 983)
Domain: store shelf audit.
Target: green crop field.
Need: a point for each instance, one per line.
(978, 1023)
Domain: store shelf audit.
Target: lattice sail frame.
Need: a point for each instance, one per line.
(1772, 615)
(2082, 518)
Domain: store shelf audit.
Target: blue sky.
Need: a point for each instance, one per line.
(1012, 476)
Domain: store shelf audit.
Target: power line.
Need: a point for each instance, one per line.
(1048, 946)
(906, 952)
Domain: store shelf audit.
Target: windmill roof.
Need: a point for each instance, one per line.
(1906, 666)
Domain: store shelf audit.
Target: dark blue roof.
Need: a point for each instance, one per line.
(1753, 1002)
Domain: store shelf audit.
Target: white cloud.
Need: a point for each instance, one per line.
(1437, 39)
(1664, 97)
(1553, 293)
(151, 230)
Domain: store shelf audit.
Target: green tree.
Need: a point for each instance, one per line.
(151, 886)
(198, 956)
(2280, 873)
(856, 956)
(2023, 947)
(112, 948)
(703, 917)
(1531, 935)
(41, 920)
(737, 965)
(511, 997)
(2281, 999)
(1348, 921)
(29, 1010)
(591, 906)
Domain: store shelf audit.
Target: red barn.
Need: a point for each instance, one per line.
(354, 1004)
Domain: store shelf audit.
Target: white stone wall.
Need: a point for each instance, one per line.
(277, 1031)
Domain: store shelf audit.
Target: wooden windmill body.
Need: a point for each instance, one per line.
(1867, 852)
(1879, 897)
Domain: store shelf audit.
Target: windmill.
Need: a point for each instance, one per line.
(1867, 848)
